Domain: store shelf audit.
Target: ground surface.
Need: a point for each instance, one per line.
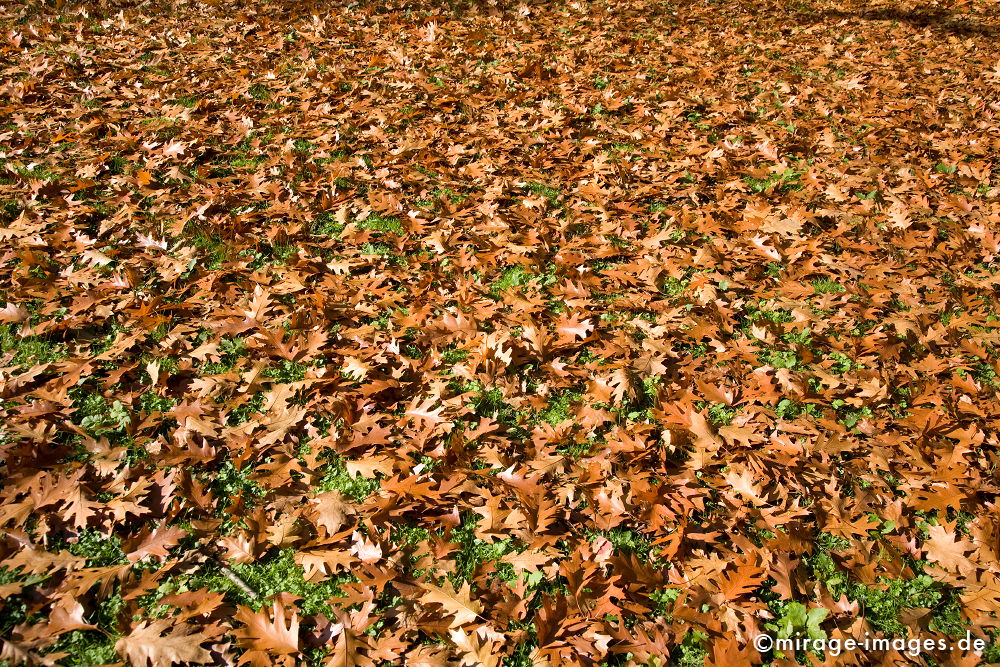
(561, 333)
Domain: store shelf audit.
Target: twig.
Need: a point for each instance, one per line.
(242, 585)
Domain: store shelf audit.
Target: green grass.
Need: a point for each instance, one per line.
(560, 406)
(118, 165)
(9, 210)
(475, 552)
(719, 414)
(843, 364)
(551, 194)
(232, 349)
(627, 541)
(760, 311)
(410, 537)
(93, 647)
(982, 372)
(212, 249)
(99, 549)
(382, 250)
(673, 286)
(92, 412)
(229, 482)
(827, 286)
(242, 413)
(786, 181)
(287, 371)
(515, 276)
(778, 358)
(29, 351)
(34, 173)
(491, 403)
(259, 92)
(265, 254)
(149, 402)
(382, 225)
(452, 356)
(848, 415)
(303, 147)
(884, 603)
(241, 162)
(85, 648)
(279, 573)
(691, 652)
(788, 409)
(519, 276)
(326, 225)
(334, 476)
(274, 573)
(107, 418)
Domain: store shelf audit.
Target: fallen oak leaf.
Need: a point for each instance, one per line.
(173, 149)
(356, 367)
(278, 427)
(706, 442)
(947, 550)
(16, 654)
(527, 561)
(760, 243)
(150, 242)
(194, 603)
(345, 649)
(367, 552)
(13, 313)
(66, 615)
(455, 603)
(350, 630)
(783, 226)
(95, 258)
(571, 328)
(330, 510)
(268, 631)
(422, 411)
(603, 549)
(148, 645)
(743, 483)
(156, 543)
(475, 652)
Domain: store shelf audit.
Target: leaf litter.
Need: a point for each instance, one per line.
(567, 333)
